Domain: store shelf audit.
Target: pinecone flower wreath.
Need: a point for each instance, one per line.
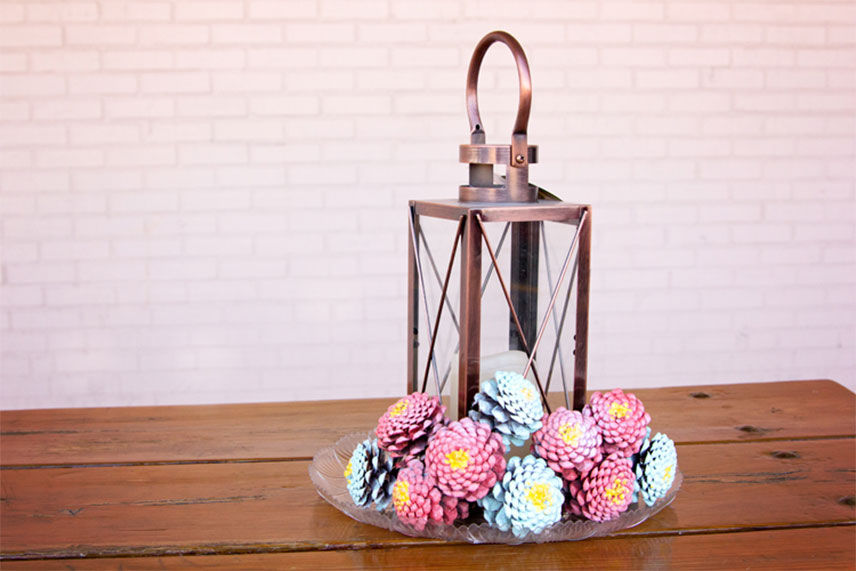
(606, 492)
(569, 441)
(417, 499)
(622, 420)
(407, 424)
(528, 499)
(510, 404)
(370, 475)
(655, 468)
(465, 459)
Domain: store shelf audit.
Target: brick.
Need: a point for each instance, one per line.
(211, 106)
(99, 35)
(13, 62)
(437, 10)
(826, 58)
(404, 32)
(136, 11)
(89, 294)
(174, 34)
(103, 83)
(77, 203)
(246, 81)
(139, 107)
(67, 109)
(347, 10)
(106, 179)
(210, 59)
(204, 11)
(138, 60)
(668, 79)
(294, 9)
(31, 85)
(15, 159)
(94, 134)
(111, 270)
(138, 201)
(247, 130)
(282, 58)
(30, 36)
(697, 11)
(61, 158)
(664, 33)
(14, 110)
(149, 155)
(215, 200)
(28, 134)
(356, 105)
(212, 154)
(61, 61)
(11, 12)
(424, 57)
(175, 82)
(246, 34)
(253, 176)
(731, 34)
(353, 57)
(636, 11)
(70, 250)
(692, 56)
(40, 273)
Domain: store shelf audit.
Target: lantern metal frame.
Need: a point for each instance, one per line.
(524, 208)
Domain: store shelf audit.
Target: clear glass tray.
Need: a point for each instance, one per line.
(327, 473)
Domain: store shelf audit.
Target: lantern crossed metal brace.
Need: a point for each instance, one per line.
(524, 208)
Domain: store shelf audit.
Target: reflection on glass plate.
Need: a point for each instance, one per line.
(327, 473)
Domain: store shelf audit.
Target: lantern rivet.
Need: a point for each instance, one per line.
(519, 158)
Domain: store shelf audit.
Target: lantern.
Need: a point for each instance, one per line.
(523, 209)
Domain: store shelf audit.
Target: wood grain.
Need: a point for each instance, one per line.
(136, 435)
(808, 548)
(272, 506)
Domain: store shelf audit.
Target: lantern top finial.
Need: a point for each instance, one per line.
(518, 155)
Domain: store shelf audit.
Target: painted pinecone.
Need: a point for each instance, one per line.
(370, 474)
(655, 468)
(622, 421)
(407, 424)
(605, 492)
(528, 499)
(569, 441)
(466, 459)
(417, 500)
(511, 405)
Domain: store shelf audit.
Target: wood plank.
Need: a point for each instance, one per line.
(220, 508)
(724, 413)
(811, 548)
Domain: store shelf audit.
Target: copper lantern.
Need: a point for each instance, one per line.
(522, 210)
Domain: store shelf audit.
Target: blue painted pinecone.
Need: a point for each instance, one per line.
(371, 475)
(511, 405)
(655, 468)
(528, 499)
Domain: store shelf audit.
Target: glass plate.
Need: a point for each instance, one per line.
(327, 473)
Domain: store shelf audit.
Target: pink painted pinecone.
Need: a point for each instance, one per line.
(407, 424)
(569, 441)
(622, 421)
(417, 500)
(466, 459)
(605, 492)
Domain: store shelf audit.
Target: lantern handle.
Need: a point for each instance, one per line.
(525, 81)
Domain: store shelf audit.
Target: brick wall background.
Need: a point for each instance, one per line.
(204, 201)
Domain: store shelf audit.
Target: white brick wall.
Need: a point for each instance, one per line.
(204, 201)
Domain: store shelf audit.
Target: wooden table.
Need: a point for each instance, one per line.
(770, 475)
